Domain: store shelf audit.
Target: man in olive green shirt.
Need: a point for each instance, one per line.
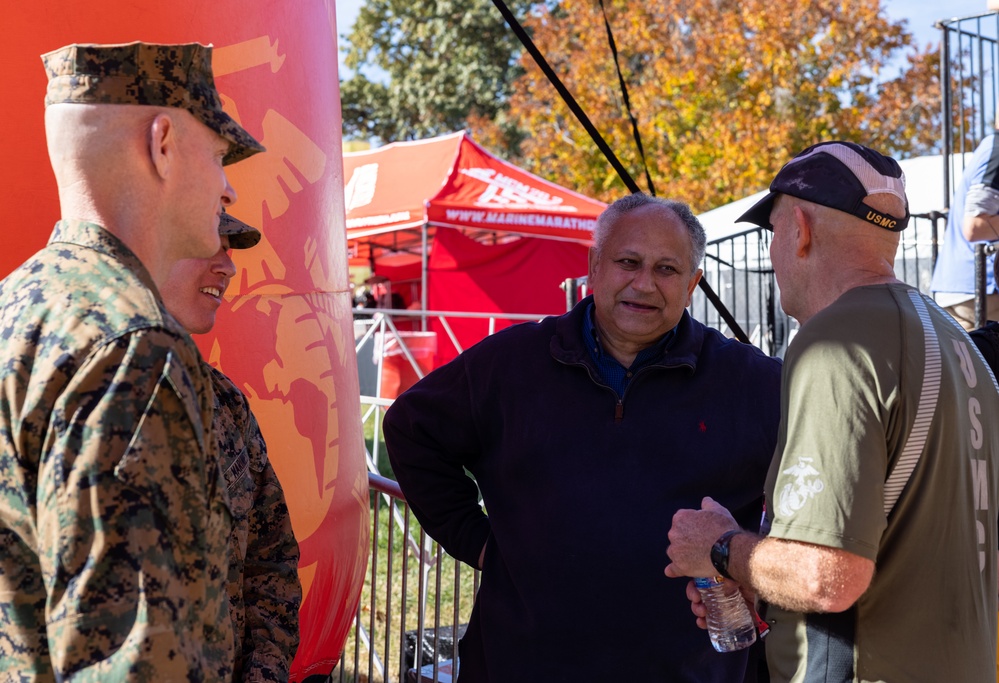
(880, 559)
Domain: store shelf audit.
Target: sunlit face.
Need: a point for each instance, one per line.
(781, 251)
(642, 278)
(194, 288)
(203, 188)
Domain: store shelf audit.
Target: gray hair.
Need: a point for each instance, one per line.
(631, 202)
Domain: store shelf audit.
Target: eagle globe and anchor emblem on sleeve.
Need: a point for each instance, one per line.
(805, 486)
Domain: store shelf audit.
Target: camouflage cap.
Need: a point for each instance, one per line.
(241, 235)
(146, 73)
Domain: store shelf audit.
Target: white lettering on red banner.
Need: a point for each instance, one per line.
(537, 220)
(360, 189)
(396, 217)
(511, 193)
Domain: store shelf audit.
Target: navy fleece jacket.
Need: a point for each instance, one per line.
(580, 489)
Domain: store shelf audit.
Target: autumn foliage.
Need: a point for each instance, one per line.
(724, 91)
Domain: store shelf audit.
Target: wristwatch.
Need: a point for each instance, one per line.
(719, 552)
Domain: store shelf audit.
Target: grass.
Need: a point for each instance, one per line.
(384, 466)
(382, 612)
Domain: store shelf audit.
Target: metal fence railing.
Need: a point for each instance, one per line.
(739, 269)
(395, 347)
(969, 69)
(414, 605)
(416, 599)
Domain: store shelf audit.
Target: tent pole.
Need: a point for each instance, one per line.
(423, 278)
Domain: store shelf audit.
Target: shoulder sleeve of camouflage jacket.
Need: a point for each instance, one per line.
(131, 515)
(271, 590)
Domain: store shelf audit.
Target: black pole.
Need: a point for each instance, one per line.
(980, 280)
(570, 288)
(566, 96)
(945, 112)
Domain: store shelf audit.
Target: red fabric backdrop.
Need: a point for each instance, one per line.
(285, 331)
(519, 277)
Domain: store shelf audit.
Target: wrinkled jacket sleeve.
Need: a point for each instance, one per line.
(431, 437)
(271, 588)
(128, 520)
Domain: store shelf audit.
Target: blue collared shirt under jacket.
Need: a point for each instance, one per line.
(612, 372)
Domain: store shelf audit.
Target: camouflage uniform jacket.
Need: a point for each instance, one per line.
(113, 515)
(264, 590)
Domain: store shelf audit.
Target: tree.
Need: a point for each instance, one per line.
(724, 91)
(443, 61)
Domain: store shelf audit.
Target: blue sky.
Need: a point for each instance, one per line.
(921, 14)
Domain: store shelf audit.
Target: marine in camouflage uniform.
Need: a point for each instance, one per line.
(263, 585)
(264, 590)
(114, 516)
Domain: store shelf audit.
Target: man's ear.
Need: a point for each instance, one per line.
(591, 260)
(162, 143)
(692, 284)
(803, 226)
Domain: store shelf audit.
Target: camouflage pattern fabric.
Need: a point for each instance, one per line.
(114, 520)
(264, 590)
(241, 235)
(147, 74)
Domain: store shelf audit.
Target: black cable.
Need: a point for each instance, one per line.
(627, 101)
(566, 96)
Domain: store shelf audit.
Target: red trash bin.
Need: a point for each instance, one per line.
(398, 373)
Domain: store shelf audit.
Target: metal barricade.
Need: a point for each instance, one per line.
(982, 251)
(739, 268)
(969, 67)
(402, 636)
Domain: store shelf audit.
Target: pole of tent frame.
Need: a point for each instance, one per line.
(423, 276)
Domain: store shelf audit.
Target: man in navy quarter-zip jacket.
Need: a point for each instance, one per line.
(585, 433)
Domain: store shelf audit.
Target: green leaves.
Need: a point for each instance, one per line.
(444, 60)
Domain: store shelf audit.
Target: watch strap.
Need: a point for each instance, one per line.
(719, 552)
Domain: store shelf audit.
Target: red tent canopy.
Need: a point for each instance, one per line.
(500, 239)
(450, 181)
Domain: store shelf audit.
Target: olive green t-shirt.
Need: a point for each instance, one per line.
(880, 380)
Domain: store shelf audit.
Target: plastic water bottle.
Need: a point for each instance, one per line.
(730, 625)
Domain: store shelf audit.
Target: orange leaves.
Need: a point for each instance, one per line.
(723, 91)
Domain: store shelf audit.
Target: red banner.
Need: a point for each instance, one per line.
(285, 334)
